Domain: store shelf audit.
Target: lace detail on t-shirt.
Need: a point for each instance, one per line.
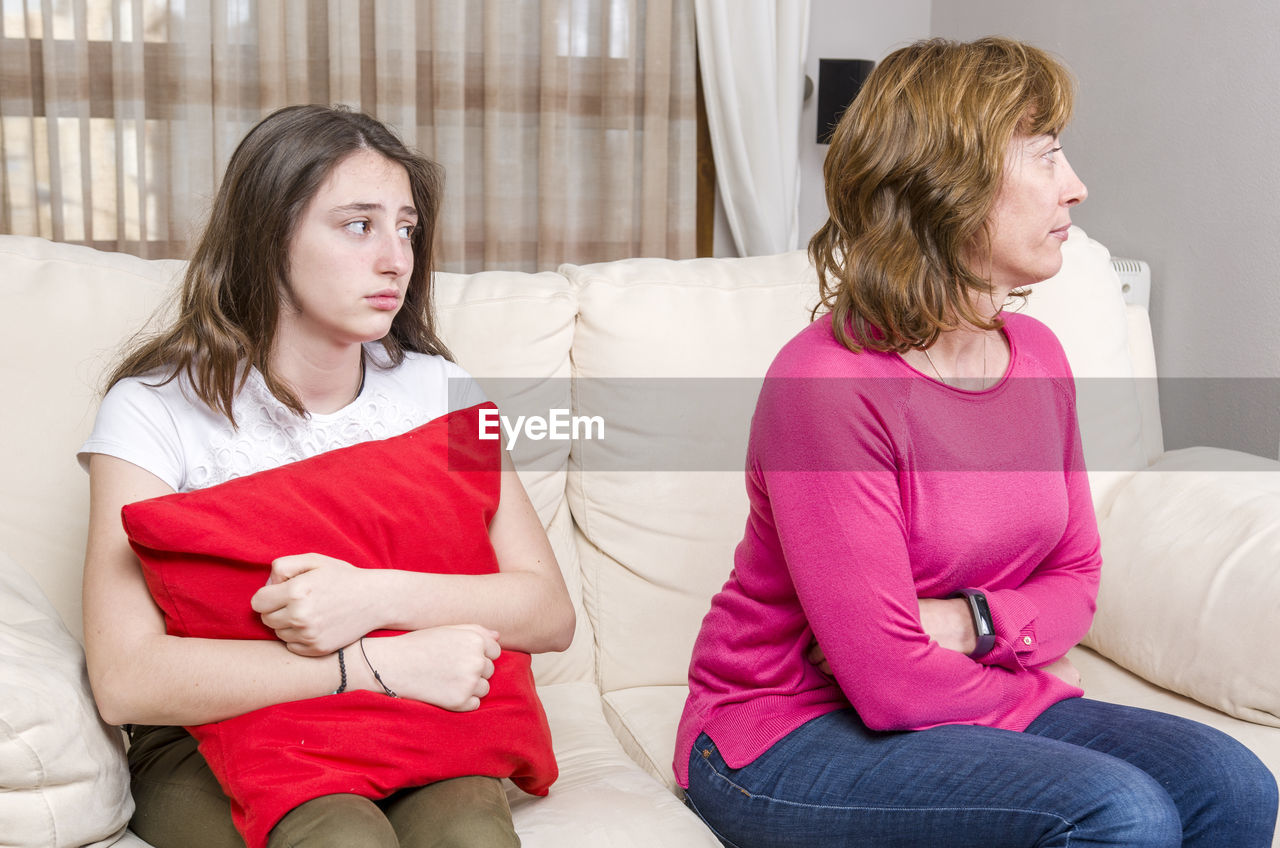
(270, 434)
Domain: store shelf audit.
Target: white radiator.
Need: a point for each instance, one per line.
(1135, 280)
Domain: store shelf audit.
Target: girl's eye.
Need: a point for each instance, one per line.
(407, 231)
(358, 227)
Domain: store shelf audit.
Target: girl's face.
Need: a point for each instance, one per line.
(350, 256)
(1032, 213)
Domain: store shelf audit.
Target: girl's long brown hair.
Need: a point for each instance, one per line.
(237, 278)
(911, 178)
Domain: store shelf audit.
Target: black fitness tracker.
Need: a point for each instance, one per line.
(982, 624)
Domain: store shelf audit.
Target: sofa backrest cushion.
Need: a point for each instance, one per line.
(66, 310)
(513, 333)
(670, 355)
(1188, 594)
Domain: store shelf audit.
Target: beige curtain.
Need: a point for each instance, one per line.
(566, 127)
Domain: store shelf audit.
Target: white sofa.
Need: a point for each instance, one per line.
(643, 521)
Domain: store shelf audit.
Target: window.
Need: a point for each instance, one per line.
(567, 128)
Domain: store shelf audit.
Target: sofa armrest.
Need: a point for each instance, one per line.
(1190, 594)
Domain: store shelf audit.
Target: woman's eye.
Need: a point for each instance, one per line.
(1051, 155)
(358, 227)
(407, 231)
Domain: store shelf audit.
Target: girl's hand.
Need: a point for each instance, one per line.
(316, 604)
(446, 666)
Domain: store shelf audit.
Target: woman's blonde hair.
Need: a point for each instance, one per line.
(237, 279)
(911, 178)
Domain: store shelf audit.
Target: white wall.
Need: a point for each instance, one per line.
(838, 29)
(1177, 134)
(846, 29)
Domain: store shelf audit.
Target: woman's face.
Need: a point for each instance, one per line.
(351, 255)
(1029, 222)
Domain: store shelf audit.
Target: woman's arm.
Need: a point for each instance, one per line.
(1037, 622)
(826, 458)
(141, 675)
(949, 623)
(316, 603)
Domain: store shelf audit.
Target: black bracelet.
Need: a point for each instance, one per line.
(342, 667)
(376, 676)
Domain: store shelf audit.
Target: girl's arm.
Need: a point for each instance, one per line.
(316, 603)
(141, 675)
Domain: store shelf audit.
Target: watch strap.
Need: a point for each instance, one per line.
(983, 626)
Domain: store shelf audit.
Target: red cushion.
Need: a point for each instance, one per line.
(421, 501)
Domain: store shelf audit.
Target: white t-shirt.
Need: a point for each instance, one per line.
(170, 432)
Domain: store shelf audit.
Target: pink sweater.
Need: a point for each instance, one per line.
(872, 485)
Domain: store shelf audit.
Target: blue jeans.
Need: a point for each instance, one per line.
(1085, 773)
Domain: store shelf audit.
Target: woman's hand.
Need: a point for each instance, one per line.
(946, 621)
(316, 604)
(1065, 671)
(949, 623)
(818, 658)
(446, 666)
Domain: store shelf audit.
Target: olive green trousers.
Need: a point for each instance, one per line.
(181, 805)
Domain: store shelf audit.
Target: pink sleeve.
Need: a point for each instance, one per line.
(1037, 622)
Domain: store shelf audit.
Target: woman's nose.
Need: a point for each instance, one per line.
(1074, 191)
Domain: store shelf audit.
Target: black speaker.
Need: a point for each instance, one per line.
(838, 83)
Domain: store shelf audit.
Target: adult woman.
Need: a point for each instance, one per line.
(919, 508)
(309, 289)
